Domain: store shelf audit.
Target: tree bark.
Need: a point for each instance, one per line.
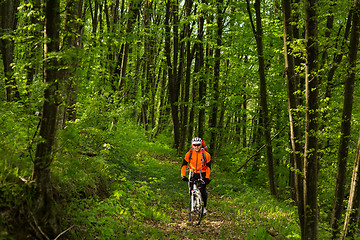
(134, 10)
(8, 22)
(352, 211)
(172, 87)
(44, 204)
(186, 85)
(345, 125)
(312, 104)
(199, 65)
(71, 42)
(295, 133)
(214, 109)
(258, 32)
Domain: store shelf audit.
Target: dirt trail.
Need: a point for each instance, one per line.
(215, 225)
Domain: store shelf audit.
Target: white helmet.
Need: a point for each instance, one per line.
(196, 140)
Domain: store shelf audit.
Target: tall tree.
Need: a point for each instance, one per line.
(258, 32)
(71, 43)
(134, 10)
(353, 207)
(295, 133)
(198, 68)
(186, 84)
(173, 88)
(44, 204)
(8, 22)
(346, 124)
(216, 80)
(312, 105)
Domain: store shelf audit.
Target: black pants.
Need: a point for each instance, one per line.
(202, 187)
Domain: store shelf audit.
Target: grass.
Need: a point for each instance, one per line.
(147, 200)
(115, 183)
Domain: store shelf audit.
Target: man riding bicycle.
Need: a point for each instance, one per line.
(200, 163)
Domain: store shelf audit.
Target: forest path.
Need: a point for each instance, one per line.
(221, 222)
(215, 225)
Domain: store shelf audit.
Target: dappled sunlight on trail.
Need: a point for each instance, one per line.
(215, 225)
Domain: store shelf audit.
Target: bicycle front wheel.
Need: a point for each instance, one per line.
(196, 209)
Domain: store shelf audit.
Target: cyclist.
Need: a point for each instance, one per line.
(197, 163)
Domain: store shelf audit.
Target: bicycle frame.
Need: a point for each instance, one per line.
(196, 201)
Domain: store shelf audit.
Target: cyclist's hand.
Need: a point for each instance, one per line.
(207, 181)
(184, 178)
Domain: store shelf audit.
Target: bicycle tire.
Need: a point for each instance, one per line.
(196, 208)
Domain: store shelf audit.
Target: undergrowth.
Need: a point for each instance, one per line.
(112, 182)
(146, 200)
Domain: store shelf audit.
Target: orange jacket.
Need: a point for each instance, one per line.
(196, 162)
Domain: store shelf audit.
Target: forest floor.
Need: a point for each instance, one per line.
(227, 218)
(147, 200)
(217, 224)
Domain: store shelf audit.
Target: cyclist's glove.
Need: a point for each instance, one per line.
(184, 178)
(207, 181)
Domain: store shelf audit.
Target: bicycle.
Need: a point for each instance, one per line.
(196, 207)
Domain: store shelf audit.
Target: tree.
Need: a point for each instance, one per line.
(131, 18)
(295, 133)
(258, 32)
(8, 21)
(44, 204)
(71, 44)
(311, 141)
(214, 110)
(173, 87)
(346, 123)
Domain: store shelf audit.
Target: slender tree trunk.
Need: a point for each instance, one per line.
(214, 110)
(295, 133)
(34, 54)
(312, 104)
(201, 81)
(345, 125)
(71, 42)
(44, 205)
(134, 10)
(172, 88)
(352, 211)
(8, 22)
(186, 85)
(258, 32)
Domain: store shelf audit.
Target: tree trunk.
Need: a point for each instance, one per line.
(172, 88)
(71, 42)
(186, 85)
(352, 211)
(34, 54)
(345, 125)
(295, 133)
(8, 22)
(214, 110)
(44, 205)
(134, 10)
(312, 103)
(258, 32)
(199, 64)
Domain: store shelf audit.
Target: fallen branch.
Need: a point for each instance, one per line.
(261, 148)
(63, 232)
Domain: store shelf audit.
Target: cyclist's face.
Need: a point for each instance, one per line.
(197, 147)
